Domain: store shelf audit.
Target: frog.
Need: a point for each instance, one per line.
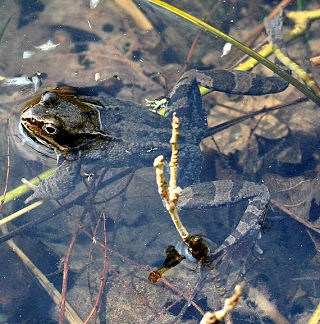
(81, 128)
(111, 132)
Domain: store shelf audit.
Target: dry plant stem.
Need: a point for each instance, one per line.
(21, 212)
(171, 194)
(163, 192)
(140, 19)
(315, 60)
(229, 305)
(174, 159)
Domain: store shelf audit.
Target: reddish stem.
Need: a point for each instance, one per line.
(94, 309)
(65, 275)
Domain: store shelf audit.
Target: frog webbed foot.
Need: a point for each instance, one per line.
(57, 185)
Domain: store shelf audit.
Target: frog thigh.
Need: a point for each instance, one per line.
(186, 101)
(59, 184)
(238, 82)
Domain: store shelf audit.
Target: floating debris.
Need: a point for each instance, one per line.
(97, 76)
(93, 3)
(23, 80)
(19, 81)
(28, 54)
(226, 49)
(48, 46)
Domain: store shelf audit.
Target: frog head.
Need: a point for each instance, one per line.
(61, 120)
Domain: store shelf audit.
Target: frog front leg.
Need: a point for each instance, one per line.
(57, 185)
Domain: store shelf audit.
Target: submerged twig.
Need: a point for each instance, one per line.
(65, 275)
(135, 13)
(103, 278)
(229, 305)
(220, 127)
(20, 212)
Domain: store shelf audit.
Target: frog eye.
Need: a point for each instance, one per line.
(50, 129)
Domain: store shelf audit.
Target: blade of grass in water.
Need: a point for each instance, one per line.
(273, 67)
(5, 27)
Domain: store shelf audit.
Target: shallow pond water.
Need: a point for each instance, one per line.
(131, 58)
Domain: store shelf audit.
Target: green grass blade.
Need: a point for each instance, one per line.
(5, 27)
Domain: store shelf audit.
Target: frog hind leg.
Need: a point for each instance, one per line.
(57, 185)
(186, 101)
(231, 256)
(238, 82)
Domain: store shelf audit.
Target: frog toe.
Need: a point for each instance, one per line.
(57, 185)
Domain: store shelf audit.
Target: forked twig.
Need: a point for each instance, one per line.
(172, 193)
(229, 305)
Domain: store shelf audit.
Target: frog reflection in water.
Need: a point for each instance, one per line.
(117, 133)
